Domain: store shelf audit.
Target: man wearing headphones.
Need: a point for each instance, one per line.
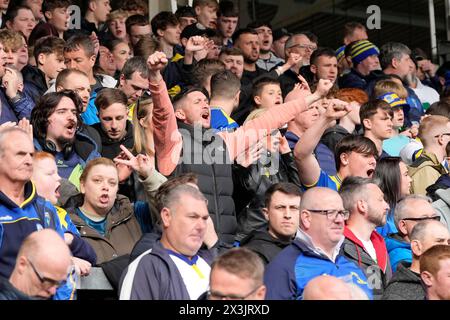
(56, 122)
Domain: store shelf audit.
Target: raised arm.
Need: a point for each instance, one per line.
(307, 164)
(168, 140)
(273, 118)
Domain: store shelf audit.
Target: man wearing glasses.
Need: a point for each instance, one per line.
(316, 249)
(42, 266)
(363, 245)
(434, 133)
(303, 44)
(237, 275)
(406, 283)
(409, 211)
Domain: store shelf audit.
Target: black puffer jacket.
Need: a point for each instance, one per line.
(205, 154)
(266, 246)
(251, 184)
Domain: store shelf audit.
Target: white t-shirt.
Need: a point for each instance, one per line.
(370, 249)
(195, 276)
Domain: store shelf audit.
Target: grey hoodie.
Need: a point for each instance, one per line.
(404, 285)
(442, 205)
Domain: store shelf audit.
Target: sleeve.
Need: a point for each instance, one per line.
(323, 181)
(23, 106)
(168, 141)
(280, 281)
(254, 130)
(83, 250)
(152, 183)
(147, 284)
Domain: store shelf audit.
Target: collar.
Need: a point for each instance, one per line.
(29, 195)
(307, 240)
(190, 262)
(377, 242)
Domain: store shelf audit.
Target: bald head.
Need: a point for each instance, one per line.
(331, 288)
(43, 255)
(46, 244)
(427, 234)
(318, 197)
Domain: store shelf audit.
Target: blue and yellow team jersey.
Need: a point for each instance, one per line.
(326, 181)
(221, 121)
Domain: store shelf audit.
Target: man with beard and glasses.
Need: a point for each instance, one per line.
(365, 201)
(56, 120)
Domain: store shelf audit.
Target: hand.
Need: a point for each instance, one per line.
(68, 238)
(211, 237)
(157, 61)
(323, 87)
(11, 82)
(140, 163)
(250, 155)
(25, 124)
(294, 59)
(301, 89)
(96, 42)
(201, 54)
(82, 267)
(195, 43)
(336, 109)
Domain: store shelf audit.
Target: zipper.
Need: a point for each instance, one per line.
(216, 204)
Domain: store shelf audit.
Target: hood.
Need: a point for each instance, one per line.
(263, 236)
(394, 241)
(377, 242)
(119, 209)
(106, 141)
(440, 185)
(35, 76)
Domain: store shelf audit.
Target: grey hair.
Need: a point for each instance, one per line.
(6, 132)
(173, 197)
(135, 64)
(419, 230)
(290, 41)
(402, 206)
(392, 50)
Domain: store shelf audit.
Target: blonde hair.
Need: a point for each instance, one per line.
(11, 39)
(117, 14)
(385, 86)
(255, 114)
(143, 140)
(430, 127)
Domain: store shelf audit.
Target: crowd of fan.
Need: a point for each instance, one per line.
(193, 159)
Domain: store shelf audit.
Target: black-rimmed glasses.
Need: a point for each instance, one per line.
(47, 282)
(332, 213)
(442, 134)
(437, 218)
